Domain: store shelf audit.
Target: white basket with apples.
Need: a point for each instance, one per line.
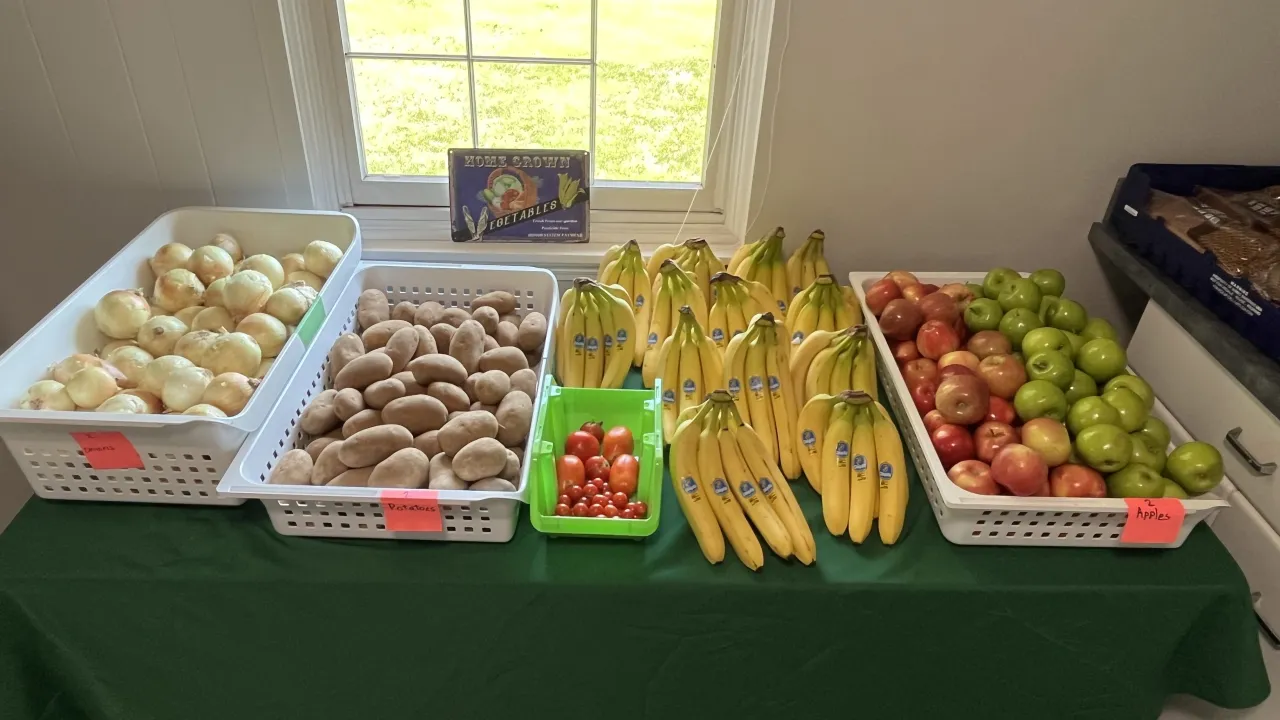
(1016, 451)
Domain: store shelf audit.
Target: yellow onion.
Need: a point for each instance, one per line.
(265, 330)
(177, 289)
(233, 352)
(168, 257)
(131, 361)
(122, 403)
(65, 368)
(91, 387)
(154, 405)
(195, 344)
(210, 262)
(265, 264)
(229, 244)
(205, 411)
(321, 257)
(184, 387)
(159, 334)
(47, 395)
(115, 345)
(213, 293)
(229, 392)
(264, 367)
(310, 279)
(120, 313)
(291, 302)
(246, 292)
(188, 315)
(293, 262)
(214, 318)
(158, 370)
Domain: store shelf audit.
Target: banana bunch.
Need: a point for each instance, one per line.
(821, 305)
(691, 367)
(734, 301)
(762, 261)
(832, 362)
(723, 476)
(595, 335)
(626, 269)
(807, 263)
(673, 288)
(755, 373)
(694, 256)
(852, 452)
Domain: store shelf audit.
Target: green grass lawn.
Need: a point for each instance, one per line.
(653, 82)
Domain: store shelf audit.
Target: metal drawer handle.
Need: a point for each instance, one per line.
(1259, 468)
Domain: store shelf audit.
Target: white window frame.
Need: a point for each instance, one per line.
(313, 41)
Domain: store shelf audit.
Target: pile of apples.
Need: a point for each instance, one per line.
(1023, 393)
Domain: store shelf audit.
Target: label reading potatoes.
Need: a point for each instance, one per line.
(1153, 521)
(410, 510)
(108, 451)
(310, 323)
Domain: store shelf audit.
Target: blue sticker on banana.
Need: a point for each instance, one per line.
(757, 383)
(639, 301)
(593, 344)
(735, 386)
(668, 396)
(842, 450)
(717, 335)
(579, 341)
(689, 485)
(622, 337)
(809, 438)
(746, 489)
(774, 384)
(766, 485)
(860, 462)
(886, 471)
(797, 337)
(719, 486)
(689, 387)
(653, 338)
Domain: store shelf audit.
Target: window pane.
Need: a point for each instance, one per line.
(522, 105)
(531, 28)
(653, 88)
(411, 112)
(430, 27)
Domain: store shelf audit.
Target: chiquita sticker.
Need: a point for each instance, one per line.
(622, 336)
(774, 384)
(797, 337)
(860, 463)
(719, 486)
(746, 489)
(689, 485)
(886, 471)
(735, 386)
(842, 450)
(690, 387)
(766, 485)
(653, 338)
(718, 335)
(639, 301)
(809, 438)
(579, 341)
(668, 396)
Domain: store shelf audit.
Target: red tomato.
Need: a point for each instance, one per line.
(583, 444)
(564, 500)
(562, 509)
(606, 489)
(641, 509)
(575, 494)
(599, 483)
(618, 441)
(590, 491)
(628, 514)
(597, 467)
(595, 429)
(619, 499)
(580, 510)
(610, 511)
(570, 472)
(596, 510)
(625, 473)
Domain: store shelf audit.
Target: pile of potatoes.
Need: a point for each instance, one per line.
(426, 396)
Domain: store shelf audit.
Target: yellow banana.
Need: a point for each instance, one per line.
(816, 378)
(801, 299)
(640, 288)
(811, 428)
(892, 474)
(726, 508)
(747, 491)
(622, 329)
(575, 370)
(563, 334)
(691, 488)
(835, 469)
(795, 269)
(845, 313)
(669, 360)
(659, 329)
(802, 320)
(761, 299)
(736, 312)
(757, 391)
(593, 366)
(826, 308)
(855, 307)
(864, 483)
(741, 254)
(783, 404)
(689, 392)
(777, 490)
(779, 285)
(712, 363)
(662, 253)
(718, 317)
(610, 255)
(803, 356)
(841, 377)
(820, 266)
(809, 270)
(735, 372)
(864, 367)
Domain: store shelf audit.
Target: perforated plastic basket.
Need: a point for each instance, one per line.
(970, 519)
(322, 511)
(184, 455)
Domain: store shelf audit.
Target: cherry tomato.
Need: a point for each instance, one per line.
(562, 509)
(583, 444)
(564, 500)
(620, 500)
(580, 510)
(625, 473)
(575, 494)
(597, 467)
(595, 509)
(607, 490)
(618, 441)
(590, 491)
(628, 514)
(570, 472)
(598, 483)
(641, 509)
(595, 429)
(610, 511)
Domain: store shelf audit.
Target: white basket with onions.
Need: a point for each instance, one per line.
(970, 519)
(143, 452)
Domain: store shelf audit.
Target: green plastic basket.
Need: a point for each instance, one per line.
(565, 410)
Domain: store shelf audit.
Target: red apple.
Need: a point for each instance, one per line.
(1000, 410)
(902, 279)
(914, 293)
(922, 394)
(936, 338)
(918, 370)
(952, 443)
(960, 357)
(986, 343)
(1049, 438)
(933, 420)
(929, 288)
(1019, 469)
(880, 293)
(990, 437)
(1076, 481)
(1042, 491)
(904, 351)
(939, 306)
(974, 476)
(958, 292)
(1004, 375)
(962, 399)
(948, 371)
(900, 319)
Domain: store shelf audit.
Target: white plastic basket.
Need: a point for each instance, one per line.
(355, 512)
(970, 519)
(184, 456)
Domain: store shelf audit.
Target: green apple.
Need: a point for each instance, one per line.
(1105, 448)
(1133, 412)
(1196, 466)
(983, 314)
(1076, 341)
(1040, 398)
(1020, 293)
(1067, 315)
(1137, 481)
(1050, 281)
(1090, 411)
(1173, 489)
(1082, 386)
(1047, 302)
(1144, 455)
(1137, 385)
(995, 281)
(976, 289)
(1102, 359)
(1017, 323)
(1097, 328)
(1053, 366)
(1046, 338)
(1154, 433)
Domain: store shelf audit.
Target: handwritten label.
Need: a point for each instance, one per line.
(1153, 521)
(310, 323)
(410, 510)
(108, 450)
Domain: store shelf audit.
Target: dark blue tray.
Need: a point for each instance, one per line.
(1231, 299)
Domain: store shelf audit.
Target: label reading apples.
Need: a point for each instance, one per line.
(1153, 521)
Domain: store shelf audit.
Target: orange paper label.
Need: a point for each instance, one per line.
(1153, 521)
(108, 451)
(410, 510)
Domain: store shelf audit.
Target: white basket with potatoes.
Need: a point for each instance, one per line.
(969, 518)
(422, 381)
(143, 384)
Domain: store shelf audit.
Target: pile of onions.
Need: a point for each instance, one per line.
(169, 257)
(292, 263)
(229, 244)
(321, 257)
(194, 345)
(267, 265)
(213, 293)
(214, 318)
(153, 402)
(233, 352)
(67, 367)
(290, 303)
(184, 388)
(310, 279)
(177, 289)
(131, 361)
(159, 334)
(47, 395)
(120, 313)
(210, 263)
(265, 330)
(247, 292)
(229, 392)
(122, 403)
(205, 411)
(91, 387)
(158, 370)
(188, 315)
